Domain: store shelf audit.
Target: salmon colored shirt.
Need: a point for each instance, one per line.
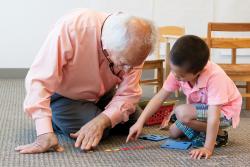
(213, 87)
(72, 64)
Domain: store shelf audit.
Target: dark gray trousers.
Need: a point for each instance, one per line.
(68, 115)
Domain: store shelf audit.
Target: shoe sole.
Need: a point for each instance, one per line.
(223, 145)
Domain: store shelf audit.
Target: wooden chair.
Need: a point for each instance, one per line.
(237, 72)
(168, 33)
(158, 79)
(165, 34)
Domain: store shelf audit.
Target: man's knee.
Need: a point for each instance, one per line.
(70, 115)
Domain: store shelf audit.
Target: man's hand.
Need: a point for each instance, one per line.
(43, 143)
(135, 131)
(201, 152)
(90, 134)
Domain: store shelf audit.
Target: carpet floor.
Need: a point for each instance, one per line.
(16, 129)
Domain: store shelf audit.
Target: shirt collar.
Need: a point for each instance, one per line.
(204, 76)
(202, 79)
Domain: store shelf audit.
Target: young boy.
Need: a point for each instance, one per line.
(213, 101)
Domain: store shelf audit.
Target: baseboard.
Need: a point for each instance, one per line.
(13, 72)
(22, 72)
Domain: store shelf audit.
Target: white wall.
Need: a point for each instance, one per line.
(191, 14)
(25, 24)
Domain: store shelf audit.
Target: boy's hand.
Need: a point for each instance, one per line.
(165, 122)
(134, 131)
(200, 152)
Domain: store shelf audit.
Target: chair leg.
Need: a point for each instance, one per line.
(167, 67)
(177, 93)
(160, 76)
(248, 98)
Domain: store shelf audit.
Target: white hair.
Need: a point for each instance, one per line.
(116, 34)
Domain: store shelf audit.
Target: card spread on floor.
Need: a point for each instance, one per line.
(124, 148)
(180, 145)
(153, 137)
(132, 148)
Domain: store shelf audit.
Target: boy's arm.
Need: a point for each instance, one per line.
(150, 109)
(213, 122)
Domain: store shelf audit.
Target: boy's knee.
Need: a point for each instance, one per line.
(182, 117)
(184, 113)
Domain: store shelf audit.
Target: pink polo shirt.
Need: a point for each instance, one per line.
(71, 63)
(213, 87)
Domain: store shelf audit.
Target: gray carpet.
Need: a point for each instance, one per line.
(17, 129)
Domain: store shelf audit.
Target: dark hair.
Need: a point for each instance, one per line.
(190, 52)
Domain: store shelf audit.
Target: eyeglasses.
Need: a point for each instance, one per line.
(125, 68)
(111, 66)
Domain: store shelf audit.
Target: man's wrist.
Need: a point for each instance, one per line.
(105, 120)
(48, 133)
(43, 125)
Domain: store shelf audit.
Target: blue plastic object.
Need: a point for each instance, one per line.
(180, 145)
(153, 137)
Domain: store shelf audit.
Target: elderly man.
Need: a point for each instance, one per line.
(85, 79)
